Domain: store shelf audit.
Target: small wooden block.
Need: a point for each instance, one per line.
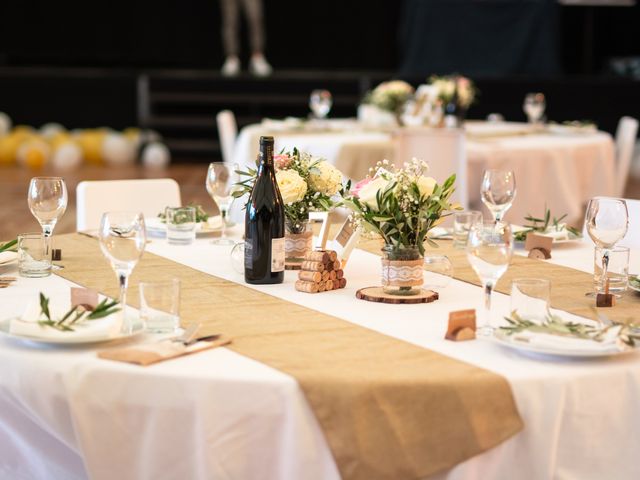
(56, 254)
(465, 333)
(538, 241)
(605, 300)
(84, 297)
(376, 294)
(458, 321)
(539, 253)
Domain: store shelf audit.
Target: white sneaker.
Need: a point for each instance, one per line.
(231, 67)
(259, 66)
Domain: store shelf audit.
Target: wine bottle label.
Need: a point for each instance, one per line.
(248, 255)
(277, 254)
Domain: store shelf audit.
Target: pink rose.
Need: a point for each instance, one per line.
(355, 190)
(281, 161)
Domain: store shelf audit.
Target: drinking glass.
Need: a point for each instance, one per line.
(181, 225)
(320, 103)
(530, 298)
(122, 240)
(489, 251)
(220, 184)
(617, 270)
(32, 259)
(534, 105)
(47, 198)
(160, 306)
(462, 222)
(438, 271)
(498, 191)
(607, 222)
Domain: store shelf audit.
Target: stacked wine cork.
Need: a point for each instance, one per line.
(321, 271)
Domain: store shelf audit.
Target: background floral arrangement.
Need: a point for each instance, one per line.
(401, 204)
(306, 183)
(447, 87)
(390, 96)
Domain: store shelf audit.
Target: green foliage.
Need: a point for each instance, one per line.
(542, 225)
(75, 314)
(9, 246)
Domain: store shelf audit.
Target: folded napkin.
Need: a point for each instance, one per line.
(27, 325)
(571, 344)
(6, 257)
(149, 353)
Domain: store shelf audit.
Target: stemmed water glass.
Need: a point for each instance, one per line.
(498, 191)
(47, 198)
(534, 105)
(220, 183)
(607, 221)
(489, 251)
(320, 103)
(122, 240)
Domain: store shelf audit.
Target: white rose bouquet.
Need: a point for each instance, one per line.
(455, 87)
(306, 183)
(401, 204)
(390, 96)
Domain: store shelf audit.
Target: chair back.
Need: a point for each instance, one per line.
(442, 149)
(149, 196)
(625, 144)
(227, 132)
(632, 238)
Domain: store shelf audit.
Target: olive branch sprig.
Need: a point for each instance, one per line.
(76, 314)
(542, 225)
(9, 246)
(628, 332)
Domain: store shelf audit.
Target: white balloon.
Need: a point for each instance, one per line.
(117, 150)
(156, 155)
(67, 156)
(26, 147)
(50, 130)
(5, 124)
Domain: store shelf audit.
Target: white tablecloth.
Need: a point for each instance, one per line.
(66, 414)
(559, 170)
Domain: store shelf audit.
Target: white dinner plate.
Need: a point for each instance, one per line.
(157, 228)
(138, 328)
(511, 341)
(556, 241)
(8, 257)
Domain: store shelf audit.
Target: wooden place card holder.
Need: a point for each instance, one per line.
(321, 271)
(462, 325)
(606, 299)
(539, 246)
(84, 297)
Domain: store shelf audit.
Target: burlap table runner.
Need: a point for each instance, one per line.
(388, 409)
(568, 286)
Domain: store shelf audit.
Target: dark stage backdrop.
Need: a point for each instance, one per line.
(318, 34)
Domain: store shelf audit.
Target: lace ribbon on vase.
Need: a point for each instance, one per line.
(402, 273)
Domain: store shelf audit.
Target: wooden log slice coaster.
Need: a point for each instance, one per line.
(376, 294)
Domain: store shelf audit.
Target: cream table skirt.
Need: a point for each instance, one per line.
(561, 171)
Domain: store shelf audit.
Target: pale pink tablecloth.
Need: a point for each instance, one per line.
(560, 171)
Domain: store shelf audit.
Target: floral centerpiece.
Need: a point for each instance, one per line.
(391, 97)
(401, 205)
(456, 93)
(307, 184)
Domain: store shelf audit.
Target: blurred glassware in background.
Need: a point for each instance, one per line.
(534, 106)
(320, 103)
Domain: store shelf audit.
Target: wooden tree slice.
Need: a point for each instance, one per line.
(376, 294)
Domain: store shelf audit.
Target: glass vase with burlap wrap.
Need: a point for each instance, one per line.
(402, 270)
(298, 241)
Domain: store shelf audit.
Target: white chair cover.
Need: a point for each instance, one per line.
(443, 149)
(227, 132)
(149, 196)
(625, 144)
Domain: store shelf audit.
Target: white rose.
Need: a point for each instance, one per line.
(425, 185)
(367, 193)
(292, 186)
(326, 180)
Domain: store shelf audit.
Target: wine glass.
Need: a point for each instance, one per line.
(220, 183)
(534, 105)
(607, 221)
(489, 251)
(122, 240)
(320, 103)
(47, 198)
(498, 191)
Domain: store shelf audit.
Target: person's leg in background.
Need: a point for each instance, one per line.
(230, 41)
(258, 64)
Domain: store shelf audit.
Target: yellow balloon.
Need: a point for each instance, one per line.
(8, 148)
(59, 138)
(33, 153)
(90, 142)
